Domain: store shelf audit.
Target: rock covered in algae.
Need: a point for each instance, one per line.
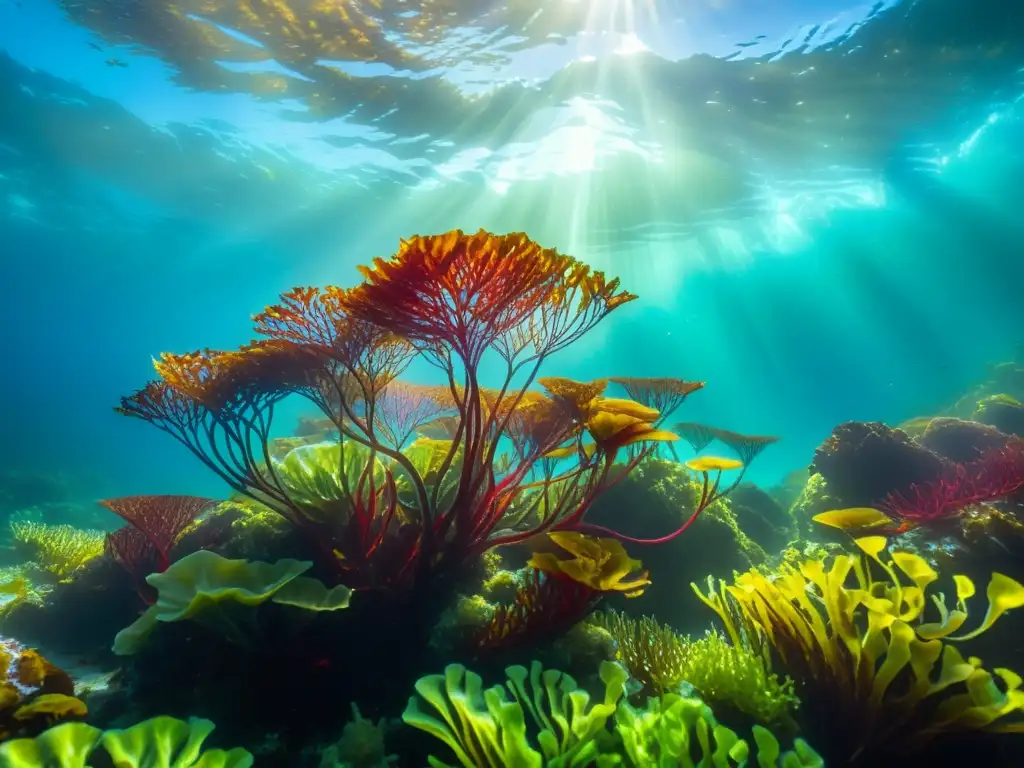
(34, 693)
(1002, 412)
(960, 440)
(78, 616)
(651, 501)
(862, 462)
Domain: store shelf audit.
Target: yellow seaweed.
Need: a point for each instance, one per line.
(846, 636)
(853, 518)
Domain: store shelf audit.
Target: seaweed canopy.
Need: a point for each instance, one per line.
(381, 509)
(892, 679)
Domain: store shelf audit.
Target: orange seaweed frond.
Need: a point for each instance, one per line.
(576, 396)
(540, 424)
(304, 316)
(472, 291)
(457, 289)
(215, 378)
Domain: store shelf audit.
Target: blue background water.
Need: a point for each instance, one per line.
(823, 224)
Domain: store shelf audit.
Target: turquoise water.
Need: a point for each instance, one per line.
(817, 203)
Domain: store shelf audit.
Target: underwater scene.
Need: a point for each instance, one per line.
(524, 384)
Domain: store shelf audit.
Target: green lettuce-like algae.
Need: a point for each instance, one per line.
(675, 731)
(166, 742)
(198, 585)
(542, 719)
(490, 728)
(321, 476)
(160, 742)
(65, 746)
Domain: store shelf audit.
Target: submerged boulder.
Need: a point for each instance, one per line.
(1002, 412)
(863, 462)
(960, 440)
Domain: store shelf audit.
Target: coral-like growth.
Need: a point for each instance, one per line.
(863, 462)
(129, 548)
(725, 676)
(449, 298)
(847, 637)
(996, 475)
(61, 550)
(362, 745)
(469, 293)
(154, 525)
(653, 653)
(34, 693)
(961, 441)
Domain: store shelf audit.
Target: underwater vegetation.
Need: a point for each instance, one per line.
(205, 586)
(851, 632)
(542, 718)
(387, 508)
(380, 516)
(153, 743)
(60, 550)
(724, 676)
(405, 527)
(155, 523)
(355, 538)
(560, 590)
(34, 694)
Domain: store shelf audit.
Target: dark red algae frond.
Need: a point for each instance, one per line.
(544, 607)
(129, 548)
(161, 519)
(996, 475)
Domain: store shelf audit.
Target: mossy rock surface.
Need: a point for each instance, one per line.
(652, 501)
